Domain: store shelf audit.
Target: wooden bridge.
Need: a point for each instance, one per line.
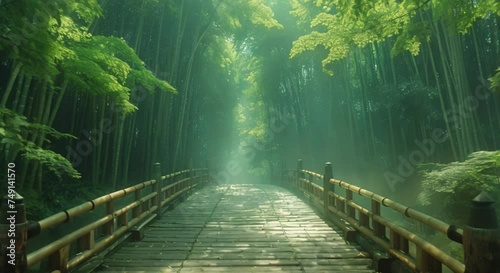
(185, 222)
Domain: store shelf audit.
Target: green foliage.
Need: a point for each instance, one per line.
(304, 11)
(57, 197)
(11, 127)
(409, 100)
(461, 14)
(495, 81)
(55, 42)
(37, 207)
(261, 169)
(351, 26)
(146, 79)
(342, 25)
(86, 10)
(107, 66)
(103, 65)
(238, 13)
(251, 114)
(411, 38)
(29, 31)
(222, 51)
(55, 162)
(452, 186)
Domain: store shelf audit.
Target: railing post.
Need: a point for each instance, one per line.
(136, 212)
(309, 185)
(110, 227)
(157, 188)
(481, 237)
(59, 260)
(300, 175)
(327, 186)
(207, 166)
(378, 229)
(427, 263)
(87, 241)
(284, 176)
(351, 212)
(14, 234)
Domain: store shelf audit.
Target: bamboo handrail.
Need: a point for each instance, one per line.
(425, 219)
(341, 203)
(140, 208)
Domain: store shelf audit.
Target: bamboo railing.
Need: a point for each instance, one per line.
(393, 238)
(115, 222)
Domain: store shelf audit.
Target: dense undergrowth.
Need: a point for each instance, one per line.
(57, 197)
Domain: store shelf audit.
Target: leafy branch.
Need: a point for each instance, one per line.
(14, 128)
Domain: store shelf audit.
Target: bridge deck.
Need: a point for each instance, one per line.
(239, 228)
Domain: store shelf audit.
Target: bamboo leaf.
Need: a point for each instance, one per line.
(495, 81)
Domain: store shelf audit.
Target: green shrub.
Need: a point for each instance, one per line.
(451, 187)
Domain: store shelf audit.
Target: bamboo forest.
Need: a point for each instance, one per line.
(401, 96)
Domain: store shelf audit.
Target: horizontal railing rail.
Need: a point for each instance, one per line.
(393, 238)
(81, 244)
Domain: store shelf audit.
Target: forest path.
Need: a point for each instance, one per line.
(239, 228)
